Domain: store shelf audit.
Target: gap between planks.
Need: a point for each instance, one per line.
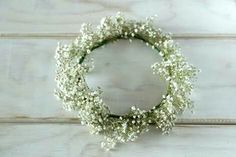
(179, 122)
(74, 35)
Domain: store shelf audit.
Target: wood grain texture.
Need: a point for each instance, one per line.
(27, 78)
(32, 122)
(75, 140)
(189, 16)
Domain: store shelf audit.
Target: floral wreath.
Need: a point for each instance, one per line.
(75, 94)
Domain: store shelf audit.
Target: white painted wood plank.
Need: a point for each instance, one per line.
(27, 78)
(189, 16)
(74, 140)
(216, 86)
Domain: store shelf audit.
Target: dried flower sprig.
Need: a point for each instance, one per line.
(73, 90)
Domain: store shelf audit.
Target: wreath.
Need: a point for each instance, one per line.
(76, 95)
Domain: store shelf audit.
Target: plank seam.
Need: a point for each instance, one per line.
(76, 121)
(74, 35)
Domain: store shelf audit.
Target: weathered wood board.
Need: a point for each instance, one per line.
(75, 141)
(27, 77)
(187, 16)
(32, 122)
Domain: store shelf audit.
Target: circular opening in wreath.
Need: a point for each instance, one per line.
(123, 71)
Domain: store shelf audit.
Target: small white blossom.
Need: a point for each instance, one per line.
(75, 94)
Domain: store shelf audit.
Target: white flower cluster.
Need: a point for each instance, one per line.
(73, 90)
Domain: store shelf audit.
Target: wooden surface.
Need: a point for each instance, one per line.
(32, 122)
(75, 141)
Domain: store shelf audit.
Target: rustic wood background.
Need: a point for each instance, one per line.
(32, 122)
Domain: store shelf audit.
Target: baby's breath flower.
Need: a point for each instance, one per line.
(75, 94)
